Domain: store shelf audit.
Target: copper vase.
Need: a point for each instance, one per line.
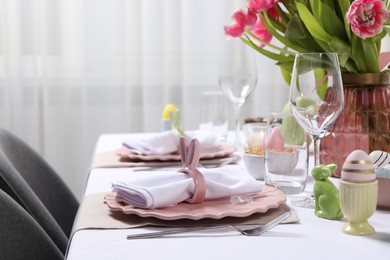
(365, 121)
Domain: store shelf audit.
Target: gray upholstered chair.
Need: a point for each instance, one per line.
(21, 236)
(27, 178)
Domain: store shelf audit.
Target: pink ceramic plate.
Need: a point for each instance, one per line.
(222, 151)
(268, 198)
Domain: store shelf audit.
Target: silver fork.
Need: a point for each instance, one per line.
(247, 232)
(264, 228)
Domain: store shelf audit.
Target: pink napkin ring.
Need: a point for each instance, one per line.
(189, 155)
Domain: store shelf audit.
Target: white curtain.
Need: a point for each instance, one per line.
(71, 70)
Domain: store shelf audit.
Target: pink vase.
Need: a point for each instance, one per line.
(365, 121)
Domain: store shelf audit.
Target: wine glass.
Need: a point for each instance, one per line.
(316, 99)
(237, 76)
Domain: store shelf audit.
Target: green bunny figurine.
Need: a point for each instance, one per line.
(326, 194)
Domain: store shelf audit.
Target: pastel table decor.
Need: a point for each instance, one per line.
(286, 165)
(292, 132)
(326, 194)
(381, 160)
(358, 193)
(165, 120)
(280, 159)
(166, 188)
(189, 154)
(275, 141)
(254, 138)
(176, 123)
(254, 143)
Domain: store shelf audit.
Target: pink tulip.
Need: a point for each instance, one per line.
(240, 21)
(367, 17)
(273, 11)
(261, 32)
(261, 5)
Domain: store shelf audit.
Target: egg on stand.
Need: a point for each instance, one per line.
(358, 193)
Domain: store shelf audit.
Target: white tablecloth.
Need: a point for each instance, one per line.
(313, 238)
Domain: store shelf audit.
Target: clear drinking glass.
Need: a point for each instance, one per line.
(237, 76)
(286, 154)
(253, 152)
(316, 75)
(213, 113)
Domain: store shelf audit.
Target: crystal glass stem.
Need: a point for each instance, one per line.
(316, 140)
(237, 112)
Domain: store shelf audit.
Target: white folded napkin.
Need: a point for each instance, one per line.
(164, 188)
(167, 142)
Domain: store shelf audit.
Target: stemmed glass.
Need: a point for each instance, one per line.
(316, 98)
(237, 76)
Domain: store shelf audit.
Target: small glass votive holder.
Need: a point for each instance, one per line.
(286, 154)
(253, 152)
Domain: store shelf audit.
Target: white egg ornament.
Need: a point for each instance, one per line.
(358, 168)
(380, 158)
(358, 193)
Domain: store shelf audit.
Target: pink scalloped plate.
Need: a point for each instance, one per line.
(222, 151)
(268, 198)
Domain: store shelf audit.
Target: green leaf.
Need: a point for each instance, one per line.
(332, 23)
(289, 6)
(278, 26)
(343, 58)
(344, 6)
(297, 32)
(295, 29)
(379, 37)
(340, 47)
(370, 54)
(316, 8)
(322, 80)
(286, 65)
(283, 16)
(278, 36)
(330, 4)
(388, 30)
(349, 67)
(286, 75)
(311, 23)
(357, 53)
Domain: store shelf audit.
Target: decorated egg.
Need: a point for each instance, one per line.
(358, 168)
(275, 140)
(380, 158)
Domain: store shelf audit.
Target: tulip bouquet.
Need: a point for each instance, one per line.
(352, 28)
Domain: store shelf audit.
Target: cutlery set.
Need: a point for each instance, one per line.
(247, 232)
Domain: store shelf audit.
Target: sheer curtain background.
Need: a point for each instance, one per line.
(71, 70)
